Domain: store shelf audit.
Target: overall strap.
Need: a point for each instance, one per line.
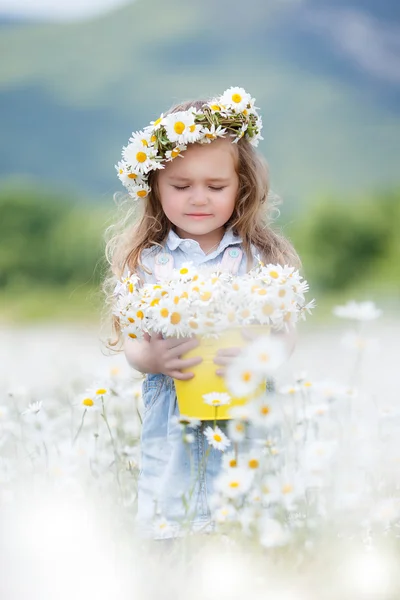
(231, 260)
(163, 265)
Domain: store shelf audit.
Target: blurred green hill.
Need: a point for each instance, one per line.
(71, 93)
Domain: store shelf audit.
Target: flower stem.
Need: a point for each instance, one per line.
(80, 427)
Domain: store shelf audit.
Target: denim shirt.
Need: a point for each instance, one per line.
(176, 478)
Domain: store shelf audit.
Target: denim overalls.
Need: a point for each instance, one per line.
(176, 478)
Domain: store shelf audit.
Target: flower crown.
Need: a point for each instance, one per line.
(167, 137)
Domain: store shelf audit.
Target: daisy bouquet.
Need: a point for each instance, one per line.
(215, 307)
(194, 302)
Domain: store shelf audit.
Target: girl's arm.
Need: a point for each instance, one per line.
(157, 355)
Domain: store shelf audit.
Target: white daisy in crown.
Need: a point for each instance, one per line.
(140, 158)
(236, 98)
(180, 127)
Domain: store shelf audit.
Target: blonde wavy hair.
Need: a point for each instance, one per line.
(143, 224)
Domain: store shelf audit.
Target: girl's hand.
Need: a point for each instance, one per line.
(164, 355)
(225, 356)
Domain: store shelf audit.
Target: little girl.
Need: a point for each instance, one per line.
(203, 193)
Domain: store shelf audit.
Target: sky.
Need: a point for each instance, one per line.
(57, 9)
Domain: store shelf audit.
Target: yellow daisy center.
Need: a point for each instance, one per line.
(262, 292)
(164, 312)
(153, 138)
(264, 357)
(87, 402)
(130, 288)
(239, 427)
(234, 484)
(274, 274)
(101, 392)
(193, 325)
(217, 437)
(141, 157)
(267, 309)
(183, 271)
(233, 463)
(132, 175)
(210, 136)
(253, 463)
(157, 122)
(179, 127)
(282, 293)
(140, 314)
(205, 296)
(131, 320)
(192, 128)
(155, 301)
(175, 152)
(215, 107)
(142, 193)
(286, 489)
(245, 313)
(236, 98)
(132, 335)
(175, 318)
(265, 410)
(144, 143)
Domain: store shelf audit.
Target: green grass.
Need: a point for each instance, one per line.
(80, 303)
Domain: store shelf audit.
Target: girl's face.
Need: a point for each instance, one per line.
(198, 191)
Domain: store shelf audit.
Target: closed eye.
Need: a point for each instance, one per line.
(185, 187)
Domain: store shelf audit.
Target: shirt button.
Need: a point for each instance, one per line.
(163, 259)
(234, 252)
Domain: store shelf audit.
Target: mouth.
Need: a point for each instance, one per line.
(199, 215)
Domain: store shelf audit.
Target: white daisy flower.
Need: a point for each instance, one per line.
(236, 430)
(88, 402)
(162, 528)
(240, 412)
(154, 125)
(139, 158)
(185, 421)
(138, 192)
(265, 411)
(181, 127)
(234, 482)
(212, 133)
(288, 390)
(217, 399)
(235, 98)
(360, 311)
(33, 408)
(355, 341)
(267, 353)
(99, 391)
(216, 438)
(175, 152)
(128, 178)
(238, 136)
(242, 378)
(224, 513)
(229, 460)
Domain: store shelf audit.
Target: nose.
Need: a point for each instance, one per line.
(198, 196)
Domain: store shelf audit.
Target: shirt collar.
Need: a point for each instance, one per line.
(174, 241)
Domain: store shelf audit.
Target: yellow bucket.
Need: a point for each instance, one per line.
(190, 393)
